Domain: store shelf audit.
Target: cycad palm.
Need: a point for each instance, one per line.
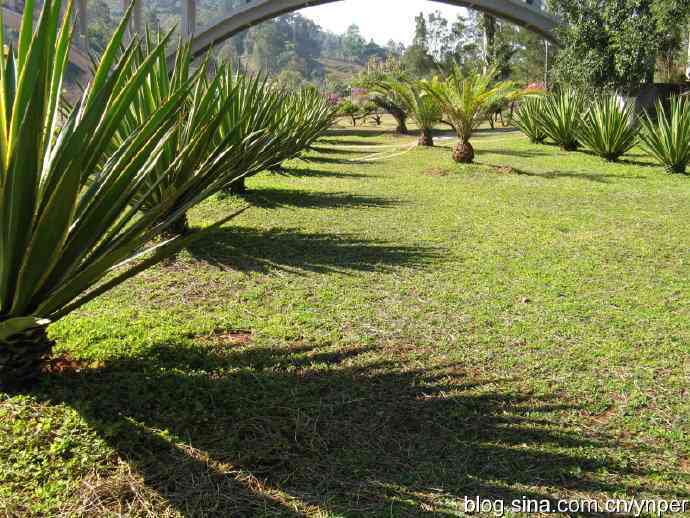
(464, 100)
(385, 98)
(417, 102)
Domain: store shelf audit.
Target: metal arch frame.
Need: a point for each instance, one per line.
(257, 11)
(520, 12)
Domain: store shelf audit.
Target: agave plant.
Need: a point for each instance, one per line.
(668, 137)
(200, 159)
(527, 119)
(306, 116)
(71, 227)
(294, 120)
(464, 100)
(417, 102)
(609, 128)
(561, 118)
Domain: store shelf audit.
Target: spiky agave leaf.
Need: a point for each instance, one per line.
(248, 104)
(667, 137)
(609, 128)
(295, 120)
(305, 116)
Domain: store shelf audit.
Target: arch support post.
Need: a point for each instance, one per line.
(82, 24)
(136, 22)
(188, 25)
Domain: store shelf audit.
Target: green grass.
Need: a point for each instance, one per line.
(381, 338)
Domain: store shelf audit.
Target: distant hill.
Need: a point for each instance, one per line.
(340, 70)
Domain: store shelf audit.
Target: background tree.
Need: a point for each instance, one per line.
(439, 39)
(614, 44)
(417, 60)
(489, 47)
(353, 43)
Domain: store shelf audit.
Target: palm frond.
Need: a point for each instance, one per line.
(464, 99)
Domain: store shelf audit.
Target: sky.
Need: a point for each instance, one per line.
(381, 20)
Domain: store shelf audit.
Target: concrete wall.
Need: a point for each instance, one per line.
(646, 96)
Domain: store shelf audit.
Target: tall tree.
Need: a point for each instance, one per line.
(421, 34)
(615, 43)
(417, 59)
(489, 27)
(439, 36)
(353, 43)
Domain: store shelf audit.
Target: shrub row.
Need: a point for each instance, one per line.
(609, 127)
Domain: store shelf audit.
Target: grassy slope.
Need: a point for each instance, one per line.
(340, 70)
(381, 339)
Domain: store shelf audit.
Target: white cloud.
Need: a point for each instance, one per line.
(380, 20)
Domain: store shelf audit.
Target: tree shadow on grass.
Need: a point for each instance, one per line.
(318, 173)
(625, 159)
(220, 430)
(498, 130)
(577, 175)
(511, 153)
(555, 175)
(275, 198)
(335, 150)
(628, 161)
(286, 249)
(342, 142)
(436, 132)
(352, 132)
(333, 160)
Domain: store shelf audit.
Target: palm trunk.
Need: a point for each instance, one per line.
(463, 152)
(426, 138)
(237, 187)
(22, 358)
(401, 119)
(179, 227)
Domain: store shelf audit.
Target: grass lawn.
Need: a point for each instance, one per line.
(382, 334)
